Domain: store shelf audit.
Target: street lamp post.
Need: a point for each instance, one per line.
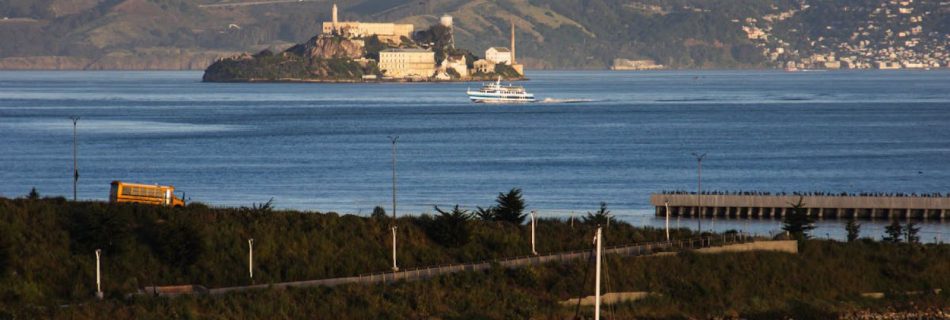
(250, 258)
(699, 189)
(534, 219)
(393, 139)
(667, 204)
(98, 276)
(75, 154)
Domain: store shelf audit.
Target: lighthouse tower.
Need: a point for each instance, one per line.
(335, 26)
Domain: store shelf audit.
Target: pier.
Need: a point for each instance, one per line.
(818, 206)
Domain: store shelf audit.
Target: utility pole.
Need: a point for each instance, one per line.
(250, 258)
(534, 219)
(75, 154)
(699, 189)
(98, 276)
(393, 139)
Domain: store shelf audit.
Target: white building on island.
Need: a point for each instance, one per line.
(498, 55)
(391, 32)
(407, 63)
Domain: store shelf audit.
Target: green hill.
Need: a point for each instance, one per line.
(188, 34)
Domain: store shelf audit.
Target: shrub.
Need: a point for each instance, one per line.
(450, 228)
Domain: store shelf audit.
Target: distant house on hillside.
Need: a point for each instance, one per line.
(498, 55)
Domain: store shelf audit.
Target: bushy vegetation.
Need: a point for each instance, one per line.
(47, 259)
(47, 246)
(267, 66)
(823, 281)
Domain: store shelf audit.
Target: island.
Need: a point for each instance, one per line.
(349, 51)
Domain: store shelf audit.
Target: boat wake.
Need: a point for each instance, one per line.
(556, 100)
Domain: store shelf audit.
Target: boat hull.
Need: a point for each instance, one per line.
(482, 97)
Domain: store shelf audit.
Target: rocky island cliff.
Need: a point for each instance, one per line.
(370, 52)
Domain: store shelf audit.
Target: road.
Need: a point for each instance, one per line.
(723, 243)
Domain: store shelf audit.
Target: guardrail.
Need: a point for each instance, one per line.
(420, 273)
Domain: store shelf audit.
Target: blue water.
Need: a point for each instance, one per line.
(600, 136)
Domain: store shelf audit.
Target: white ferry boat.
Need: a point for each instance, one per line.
(495, 92)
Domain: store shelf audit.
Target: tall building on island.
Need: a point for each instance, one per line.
(407, 63)
(391, 32)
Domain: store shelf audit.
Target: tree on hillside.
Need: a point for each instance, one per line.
(599, 217)
(450, 228)
(797, 222)
(510, 207)
(486, 214)
(853, 228)
(893, 232)
(378, 213)
(912, 233)
(33, 195)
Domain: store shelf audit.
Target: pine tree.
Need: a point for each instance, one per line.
(34, 195)
(451, 228)
(854, 229)
(598, 217)
(797, 222)
(510, 207)
(893, 232)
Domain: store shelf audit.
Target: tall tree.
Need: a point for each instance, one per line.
(893, 232)
(510, 207)
(912, 233)
(797, 222)
(853, 228)
(598, 217)
(451, 228)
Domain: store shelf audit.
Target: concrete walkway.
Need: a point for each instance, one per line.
(729, 243)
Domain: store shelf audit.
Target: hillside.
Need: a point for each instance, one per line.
(47, 267)
(190, 34)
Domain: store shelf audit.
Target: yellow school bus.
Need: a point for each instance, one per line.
(144, 193)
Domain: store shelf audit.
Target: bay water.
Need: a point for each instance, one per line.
(594, 136)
